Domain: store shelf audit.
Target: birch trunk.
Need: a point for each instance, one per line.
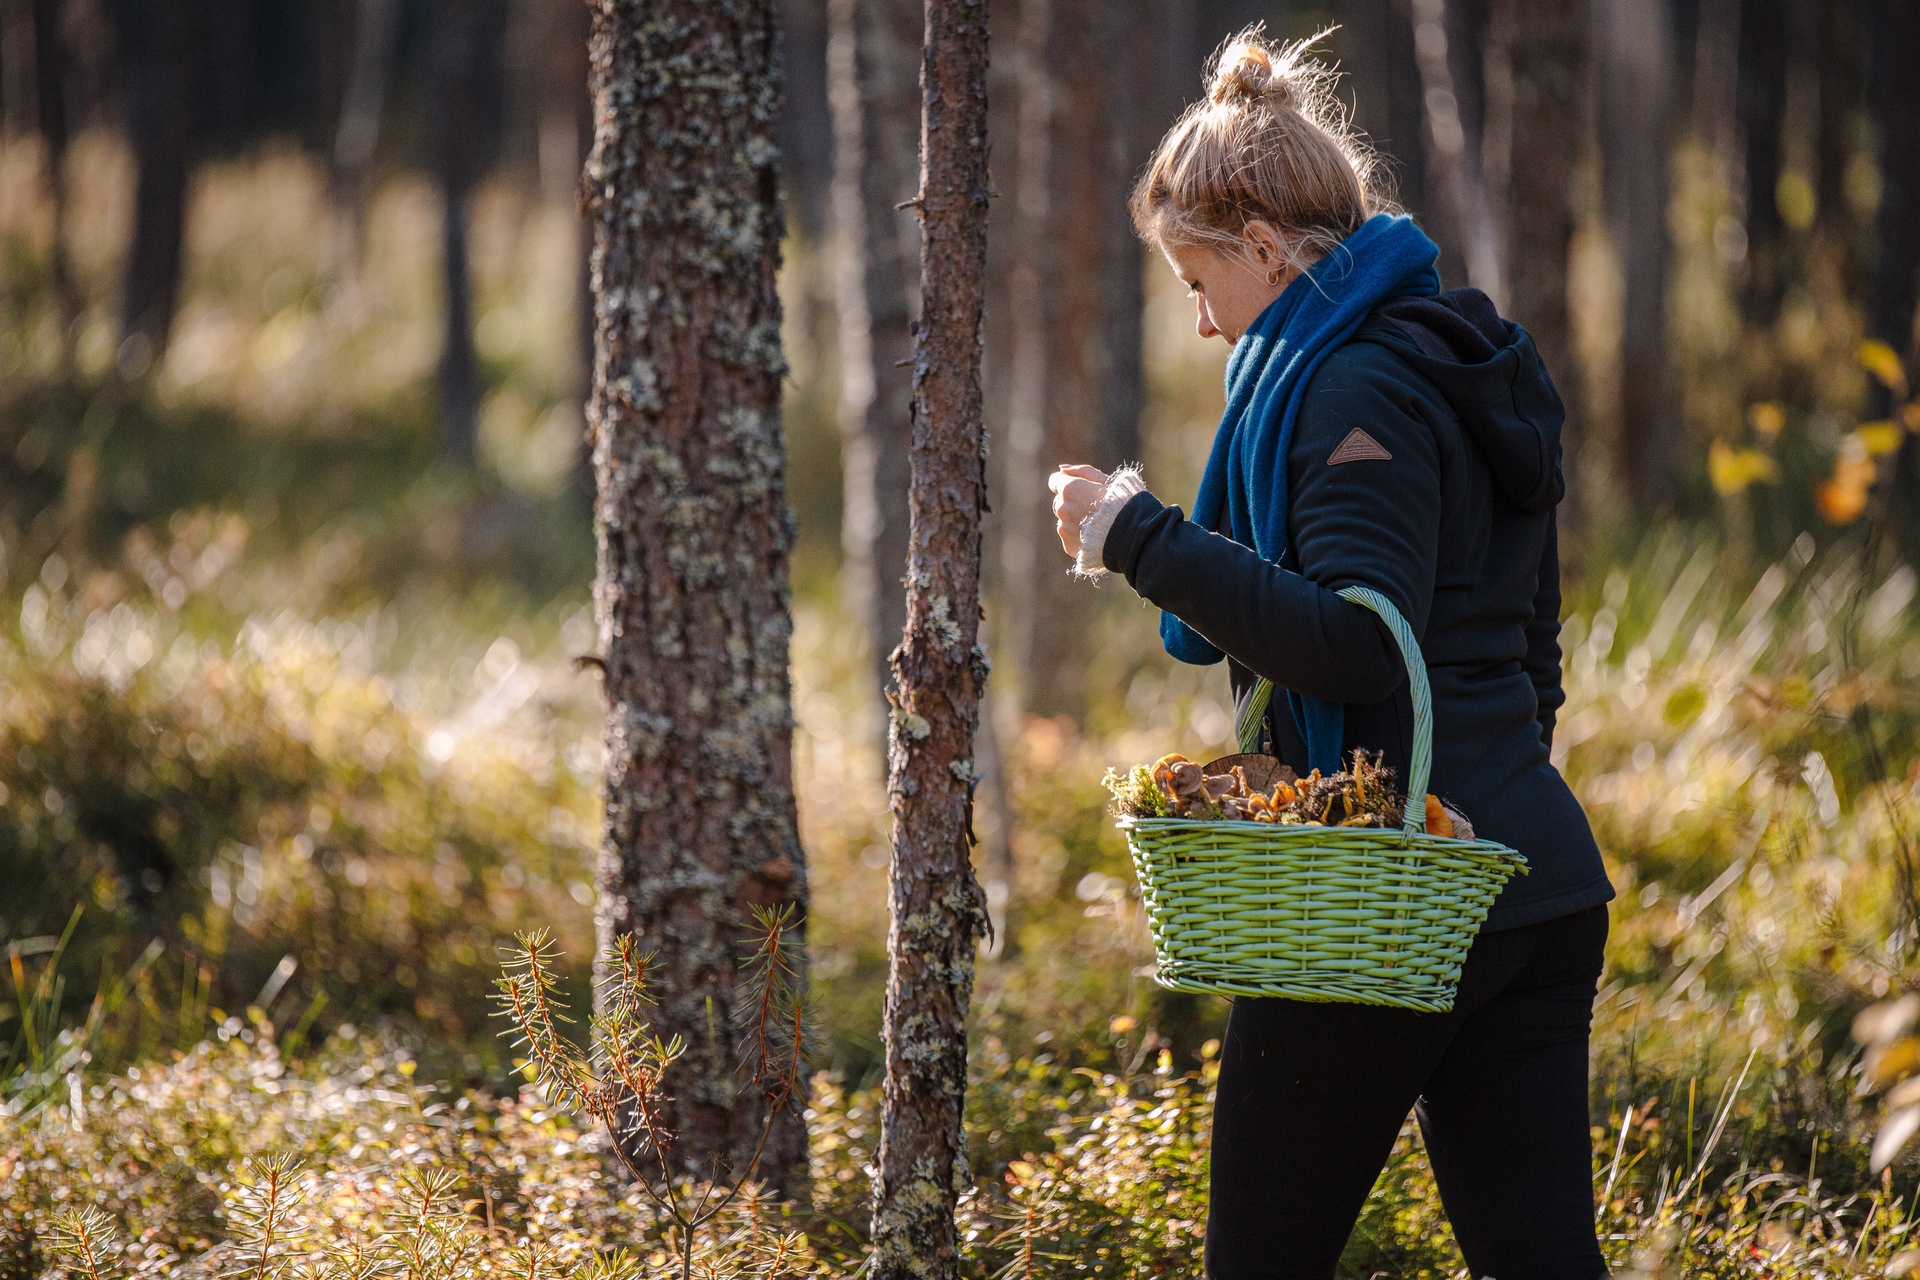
(936, 905)
(694, 532)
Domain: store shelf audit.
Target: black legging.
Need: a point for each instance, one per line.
(1311, 1097)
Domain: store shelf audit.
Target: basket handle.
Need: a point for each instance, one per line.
(1421, 770)
(1415, 822)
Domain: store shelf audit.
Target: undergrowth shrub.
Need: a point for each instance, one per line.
(284, 820)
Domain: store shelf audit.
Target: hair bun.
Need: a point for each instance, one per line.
(1245, 71)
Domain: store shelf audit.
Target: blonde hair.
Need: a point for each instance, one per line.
(1269, 142)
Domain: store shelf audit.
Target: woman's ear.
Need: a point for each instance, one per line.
(1265, 243)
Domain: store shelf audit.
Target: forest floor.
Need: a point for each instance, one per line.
(291, 741)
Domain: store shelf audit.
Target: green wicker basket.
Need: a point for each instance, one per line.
(1355, 914)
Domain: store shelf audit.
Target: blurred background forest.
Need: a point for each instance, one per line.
(296, 551)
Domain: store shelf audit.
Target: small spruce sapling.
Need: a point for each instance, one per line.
(618, 1083)
(261, 1224)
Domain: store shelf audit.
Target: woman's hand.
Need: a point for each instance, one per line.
(1076, 492)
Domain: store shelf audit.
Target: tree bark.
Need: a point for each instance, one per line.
(1634, 49)
(1762, 106)
(936, 905)
(872, 88)
(1378, 40)
(19, 68)
(1840, 62)
(1548, 57)
(1077, 392)
(161, 44)
(692, 596)
(468, 38)
(1896, 107)
(1453, 155)
(376, 36)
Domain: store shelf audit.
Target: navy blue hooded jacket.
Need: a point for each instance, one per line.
(1456, 527)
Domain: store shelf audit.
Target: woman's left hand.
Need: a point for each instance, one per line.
(1076, 492)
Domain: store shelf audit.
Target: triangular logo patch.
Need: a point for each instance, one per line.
(1359, 447)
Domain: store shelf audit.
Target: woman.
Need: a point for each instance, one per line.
(1376, 433)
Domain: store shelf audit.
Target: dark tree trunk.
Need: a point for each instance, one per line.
(1548, 57)
(161, 44)
(19, 68)
(1762, 106)
(1129, 29)
(33, 78)
(1896, 108)
(806, 122)
(1453, 153)
(1076, 394)
(694, 534)
(51, 81)
(1635, 84)
(376, 35)
(935, 903)
(872, 72)
(1387, 96)
(468, 36)
(1839, 55)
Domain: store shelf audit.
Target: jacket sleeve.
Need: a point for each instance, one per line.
(1371, 522)
(1543, 637)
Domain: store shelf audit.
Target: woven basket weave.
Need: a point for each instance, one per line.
(1366, 915)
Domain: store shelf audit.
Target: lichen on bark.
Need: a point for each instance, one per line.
(936, 909)
(694, 530)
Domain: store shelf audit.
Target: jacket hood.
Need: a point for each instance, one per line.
(1490, 373)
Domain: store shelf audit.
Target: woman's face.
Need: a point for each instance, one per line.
(1229, 291)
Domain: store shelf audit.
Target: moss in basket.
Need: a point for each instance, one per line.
(1134, 793)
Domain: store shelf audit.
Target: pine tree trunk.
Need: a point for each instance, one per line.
(1385, 72)
(468, 36)
(1895, 27)
(1635, 86)
(1076, 393)
(1762, 114)
(1548, 58)
(19, 69)
(1453, 154)
(694, 533)
(872, 88)
(161, 49)
(376, 37)
(936, 905)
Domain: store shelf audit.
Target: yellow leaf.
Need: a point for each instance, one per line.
(1766, 418)
(1020, 1170)
(1122, 1024)
(1880, 437)
(1883, 362)
(1733, 470)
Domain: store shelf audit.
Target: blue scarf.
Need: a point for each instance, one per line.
(1243, 492)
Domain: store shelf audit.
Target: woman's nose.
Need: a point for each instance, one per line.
(1203, 323)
